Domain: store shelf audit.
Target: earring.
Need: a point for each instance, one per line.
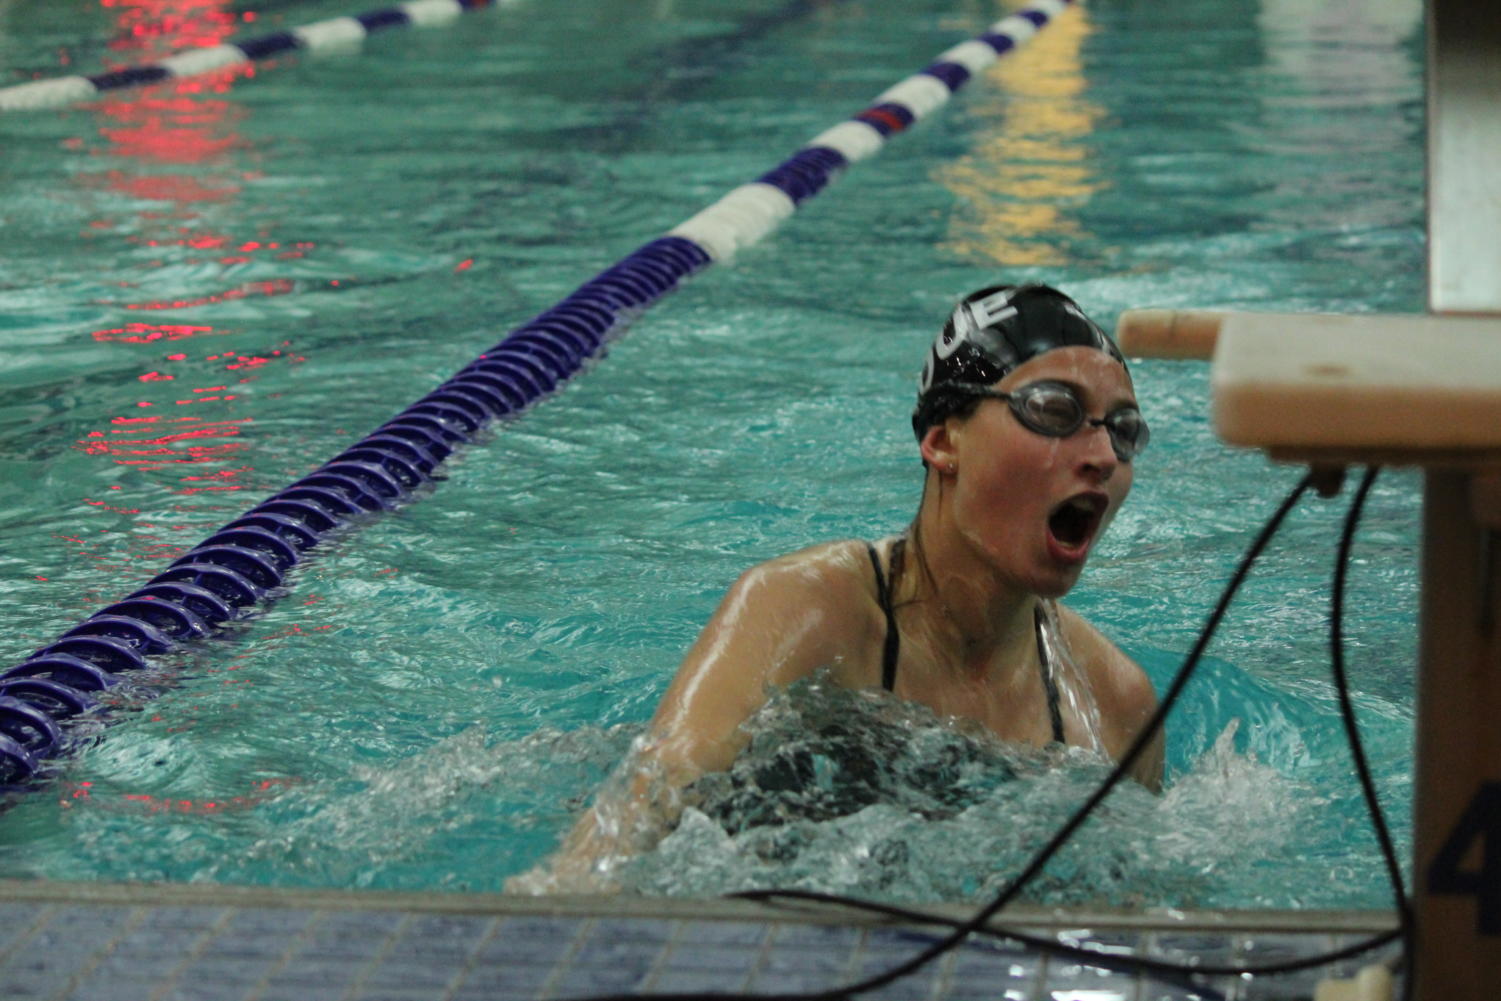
(953, 468)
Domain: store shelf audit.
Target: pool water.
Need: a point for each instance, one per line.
(212, 286)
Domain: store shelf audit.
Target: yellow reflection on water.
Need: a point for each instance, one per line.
(1031, 169)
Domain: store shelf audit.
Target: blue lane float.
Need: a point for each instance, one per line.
(335, 33)
(246, 561)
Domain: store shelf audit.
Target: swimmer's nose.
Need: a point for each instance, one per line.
(1098, 452)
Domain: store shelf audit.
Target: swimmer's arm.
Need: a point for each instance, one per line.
(1125, 694)
(779, 623)
(775, 625)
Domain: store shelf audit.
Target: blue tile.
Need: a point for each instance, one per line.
(16, 920)
(829, 963)
(404, 973)
(106, 987)
(699, 980)
(745, 933)
(75, 926)
(260, 932)
(511, 980)
(982, 962)
(1157, 990)
(1270, 947)
(596, 953)
(492, 994)
(581, 981)
(913, 990)
(346, 948)
(136, 967)
(792, 981)
(317, 971)
(441, 934)
(899, 941)
(243, 970)
(37, 982)
(623, 956)
(1207, 948)
(154, 945)
(185, 989)
(840, 937)
(917, 984)
(198, 918)
(1011, 976)
(1067, 975)
(301, 992)
(1282, 987)
(503, 947)
(633, 930)
(350, 934)
(563, 929)
(690, 956)
(265, 947)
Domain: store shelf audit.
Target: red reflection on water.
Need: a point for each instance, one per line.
(168, 187)
(262, 790)
(278, 286)
(176, 129)
(145, 333)
(159, 449)
(109, 559)
(109, 507)
(176, 121)
(167, 25)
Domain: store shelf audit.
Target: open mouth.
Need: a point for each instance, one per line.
(1074, 522)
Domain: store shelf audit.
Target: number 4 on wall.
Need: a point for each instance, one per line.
(1480, 823)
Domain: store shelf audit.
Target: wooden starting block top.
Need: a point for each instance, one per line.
(1388, 389)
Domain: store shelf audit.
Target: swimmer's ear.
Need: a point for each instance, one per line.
(939, 446)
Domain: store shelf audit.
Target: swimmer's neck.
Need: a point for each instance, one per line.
(978, 620)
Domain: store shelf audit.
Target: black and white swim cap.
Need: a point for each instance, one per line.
(991, 332)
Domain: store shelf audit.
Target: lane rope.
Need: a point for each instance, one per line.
(339, 33)
(245, 562)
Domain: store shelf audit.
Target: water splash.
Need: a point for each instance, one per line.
(439, 808)
(1072, 682)
(859, 793)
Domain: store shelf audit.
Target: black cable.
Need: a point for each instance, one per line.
(1408, 929)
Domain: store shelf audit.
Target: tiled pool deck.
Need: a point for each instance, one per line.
(108, 942)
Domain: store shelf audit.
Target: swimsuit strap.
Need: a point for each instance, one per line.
(893, 646)
(1049, 683)
(892, 649)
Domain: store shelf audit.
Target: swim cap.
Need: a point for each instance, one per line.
(991, 332)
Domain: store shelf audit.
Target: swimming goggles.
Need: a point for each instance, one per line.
(1055, 410)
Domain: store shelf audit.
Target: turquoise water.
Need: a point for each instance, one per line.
(210, 288)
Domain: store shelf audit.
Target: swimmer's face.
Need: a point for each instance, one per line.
(1034, 505)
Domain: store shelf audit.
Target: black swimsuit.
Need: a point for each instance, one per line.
(892, 650)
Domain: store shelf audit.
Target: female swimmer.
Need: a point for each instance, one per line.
(1027, 424)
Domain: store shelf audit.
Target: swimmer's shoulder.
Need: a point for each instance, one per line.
(833, 576)
(827, 568)
(825, 593)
